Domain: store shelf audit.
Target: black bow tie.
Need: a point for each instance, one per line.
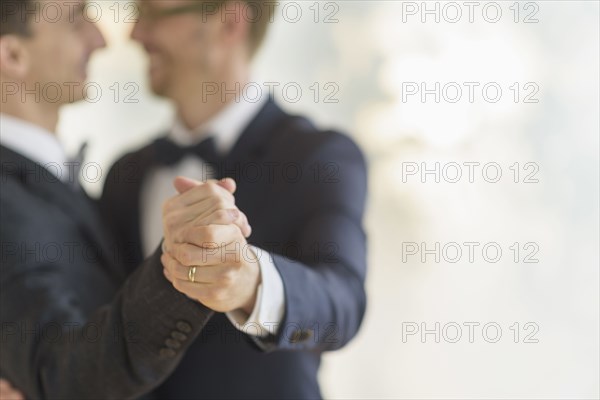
(169, 153)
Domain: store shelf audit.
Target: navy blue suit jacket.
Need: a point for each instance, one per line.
(303, 191)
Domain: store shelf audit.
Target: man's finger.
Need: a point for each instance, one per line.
(202, 274)
(228, 184)
(183, 184)
(190, 254)
(208, 236)
(210, 257)
(226, 217)
(200, 192)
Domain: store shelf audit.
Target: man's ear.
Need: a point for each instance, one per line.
(14, 57)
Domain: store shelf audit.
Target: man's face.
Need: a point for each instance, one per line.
(59, 49)
(184, 48)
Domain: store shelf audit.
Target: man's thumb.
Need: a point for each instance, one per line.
(183, 184)
(228, 184)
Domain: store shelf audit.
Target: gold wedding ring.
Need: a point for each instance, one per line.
(192, 274)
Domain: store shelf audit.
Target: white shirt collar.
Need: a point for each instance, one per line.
(33, 142)
(226, 126)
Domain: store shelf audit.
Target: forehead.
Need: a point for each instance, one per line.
(63, 4)
(56, 10)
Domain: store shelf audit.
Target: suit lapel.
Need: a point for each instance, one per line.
(253, 147)
(74, 203)
(252, 143)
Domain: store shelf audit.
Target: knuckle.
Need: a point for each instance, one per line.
(185, 257)
(180, 272)
(222, 215)
(168, 264)
(167, 205)
(184, 234)
(210, 235)
(220, 295)
(202, 232)
(236, 232)
(176, 284)
(206, 236)
(170, 221)
(236, 262)
(221, 203)
(212, 188)
(227, 277)
(210, 295)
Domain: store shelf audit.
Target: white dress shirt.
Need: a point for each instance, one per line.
(226, 127)
(35, 143)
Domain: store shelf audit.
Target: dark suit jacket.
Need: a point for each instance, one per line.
(303, 191)
(68, 331)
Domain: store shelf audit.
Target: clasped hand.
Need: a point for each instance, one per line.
(205, 252)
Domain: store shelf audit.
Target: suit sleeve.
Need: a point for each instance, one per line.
(56, 345)
(324, 272)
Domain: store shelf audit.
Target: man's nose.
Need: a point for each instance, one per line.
(137, 33)
(97, 40)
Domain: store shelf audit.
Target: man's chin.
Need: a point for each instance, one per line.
(158, 89)
(157, 79)
(76, 90)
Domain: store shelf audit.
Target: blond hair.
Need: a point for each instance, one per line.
(258, 12)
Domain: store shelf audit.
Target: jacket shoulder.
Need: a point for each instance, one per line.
(130, 167)
(301, 140)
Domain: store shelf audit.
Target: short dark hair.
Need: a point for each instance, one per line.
(14, 20)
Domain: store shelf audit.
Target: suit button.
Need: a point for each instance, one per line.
(295, 338)
(184, 327)
(172, 343)
(178, 336)
(301, 336)
(167, 353)
(305, 335)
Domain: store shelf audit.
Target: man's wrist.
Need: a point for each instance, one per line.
(250, 305)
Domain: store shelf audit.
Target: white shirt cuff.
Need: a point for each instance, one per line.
(268, 311)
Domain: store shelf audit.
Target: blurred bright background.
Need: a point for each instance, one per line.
(373, 54)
